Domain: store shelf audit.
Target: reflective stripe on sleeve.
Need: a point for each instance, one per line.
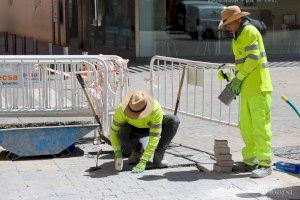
(155, 125)
(265, 65)
(117, 123)
(254, 57)
(240, 61)
(251, 47)
(154, 134)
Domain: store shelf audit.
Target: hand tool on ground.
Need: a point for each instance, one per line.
(285, 98)
(83, 86)
(98, 154)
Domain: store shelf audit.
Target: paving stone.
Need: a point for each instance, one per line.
(223, 157)
(221, 143)
(225, 163)
(218, 168)
(221, 150)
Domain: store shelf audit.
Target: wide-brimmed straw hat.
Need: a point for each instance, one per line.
(137, 104)
(231, 13)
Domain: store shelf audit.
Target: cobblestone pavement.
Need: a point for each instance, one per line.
(75, 177)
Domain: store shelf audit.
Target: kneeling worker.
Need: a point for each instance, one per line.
(138, 117)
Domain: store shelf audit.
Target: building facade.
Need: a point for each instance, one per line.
(143, 28)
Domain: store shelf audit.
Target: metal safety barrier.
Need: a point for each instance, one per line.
(36, 86)
(200, 89)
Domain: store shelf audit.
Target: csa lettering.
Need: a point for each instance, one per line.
(8, 77)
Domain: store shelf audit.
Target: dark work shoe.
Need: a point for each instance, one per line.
(243, 167)
(135, 157)
(158, 162)
(261, 172)
(162, 164)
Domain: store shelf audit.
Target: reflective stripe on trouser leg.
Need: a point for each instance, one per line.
(260, 105)
(246, 128)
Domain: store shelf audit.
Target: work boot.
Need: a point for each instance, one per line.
(135, 156)
(158, 160)
(243, 167)
(261, 172)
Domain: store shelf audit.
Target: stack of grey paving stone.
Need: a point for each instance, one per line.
(223, 157)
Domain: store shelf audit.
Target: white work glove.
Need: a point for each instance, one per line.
(119, 164)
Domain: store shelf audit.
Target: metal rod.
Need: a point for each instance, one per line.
(211, 92)
(165, 68)
(179, 91)
(195, 93)
(83, 87)
(187, 92)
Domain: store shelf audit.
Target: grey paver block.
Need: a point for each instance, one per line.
(225, 163)
(223, 157)
(221, 150)
(221, 143)
(218, 168)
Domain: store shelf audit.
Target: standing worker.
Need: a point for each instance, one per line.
(253, 82)
(138, 117)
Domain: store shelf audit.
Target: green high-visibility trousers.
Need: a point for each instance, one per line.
(255, 126)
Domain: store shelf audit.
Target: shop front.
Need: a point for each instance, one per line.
(139, 29)
(182, 28)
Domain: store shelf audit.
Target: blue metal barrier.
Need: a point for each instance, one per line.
(49, 140)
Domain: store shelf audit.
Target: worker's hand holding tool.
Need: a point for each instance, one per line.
(118, 161)
(140, 167)
(235, 85)
(222, 75)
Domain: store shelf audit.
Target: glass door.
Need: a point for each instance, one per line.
(111, 27)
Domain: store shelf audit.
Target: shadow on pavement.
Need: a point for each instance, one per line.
(107, 169)
(6, 155)
(286, 193)
(103, 170)
(190, 176)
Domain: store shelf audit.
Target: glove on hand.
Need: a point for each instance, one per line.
(140, 167)
(118, 161)
(235, 86)
(119, 164)
(221, 77)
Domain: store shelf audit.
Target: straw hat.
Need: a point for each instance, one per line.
(137, 104)
(230, 14)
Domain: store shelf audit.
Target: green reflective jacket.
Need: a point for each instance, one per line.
(152, 121)
(251, 61)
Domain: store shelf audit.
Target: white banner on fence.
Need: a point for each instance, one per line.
(32, 75)
(195, 76)
(11, 78)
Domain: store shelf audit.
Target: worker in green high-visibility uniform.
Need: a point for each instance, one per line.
(141, 129)
(253, 82)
